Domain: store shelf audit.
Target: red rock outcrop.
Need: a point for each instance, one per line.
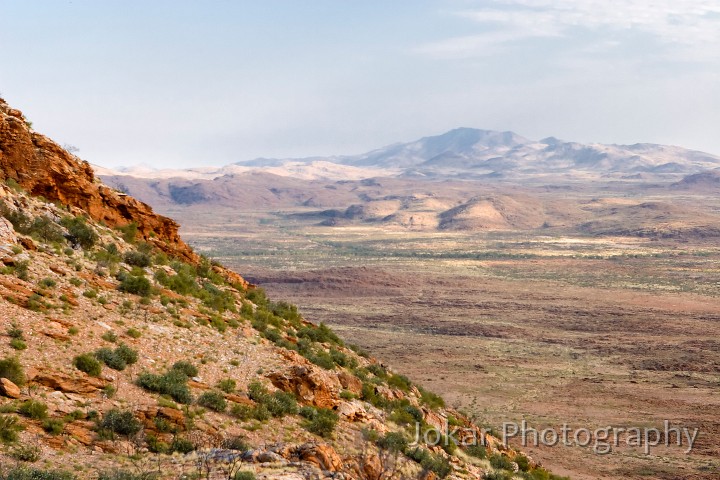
(42, 167)
(312, 385)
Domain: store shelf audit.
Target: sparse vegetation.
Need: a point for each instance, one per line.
(87, 363)
(213, 400)
(119, 422)
(33, 409)
(11, 369)
(172, 383)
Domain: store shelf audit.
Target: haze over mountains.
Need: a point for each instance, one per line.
(473, 153)
(465, 179)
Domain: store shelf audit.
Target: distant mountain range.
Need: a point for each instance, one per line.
(484, 153)
(472, 153)
(465, 179)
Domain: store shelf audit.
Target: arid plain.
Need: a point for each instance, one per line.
(544, 325)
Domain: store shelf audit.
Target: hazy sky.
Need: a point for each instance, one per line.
(185, 83)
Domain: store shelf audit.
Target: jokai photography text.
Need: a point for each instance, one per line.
(602, 440)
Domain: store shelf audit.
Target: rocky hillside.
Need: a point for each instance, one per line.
(127, 356)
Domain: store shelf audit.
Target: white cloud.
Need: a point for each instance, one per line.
(688, 29)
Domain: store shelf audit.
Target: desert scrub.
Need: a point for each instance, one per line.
(133, 333)
(227, 385)
(11, 369)
(47, 282)
(278, 404)
(87, 363)
(9, 428)
(501, 462)
(120, 422)
(244, 476)
(172, 383)
(320, 421)
(33, 409)
(90, 293)
(213, 400)
(137, 285)
(26, 453)
(187, 368)
(31, 473)
(80, 232)
(109, 336)
(137, 259)
(53, 426)
(18, 344)
(119, 358)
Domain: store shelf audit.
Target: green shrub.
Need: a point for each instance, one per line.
(82, 233)
(26, 453)
(9, 428)
(110, 358)
(280, 404)
(28, 473)
(244, 476)
(129, 232)
(186, 368)
(503, 475)
(155, 445)
(182, 445)
(321, 334)
(213, 400)
(22, 270)
(118, 474)
(134, 284)
(44, 229)
(320, 358)
(120, 422)
(54, 426)
(33, 409)
(137, 259)
(90, 293)
(15, 332)
(133, 333)
(172, 383)
(236, 443)
(323, 423)
(430, 462)
(47, 282)
(393, 442)
(128, 355)
(478, 451)
(241, 412)
(501, 462)
(227, 385)
(18, 344)
(401, 382)
(522, 462)
(261, 413)
(109, 336)
(75, 281)
(377, 370)
(430, 399)
(87, 363)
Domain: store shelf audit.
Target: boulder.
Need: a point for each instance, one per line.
(311, 384)
(66, 383)
(353, 411)
(9, 389)
(350, 382)
(322, 455)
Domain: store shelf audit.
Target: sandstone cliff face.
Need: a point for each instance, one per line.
(44, 168)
